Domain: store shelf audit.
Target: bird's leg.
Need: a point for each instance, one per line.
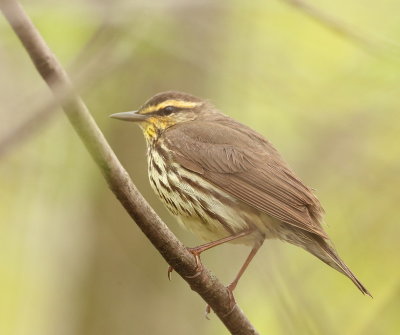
(233, 284)
(249, 258)
(196, 251)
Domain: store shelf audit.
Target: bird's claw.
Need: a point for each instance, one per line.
(207, 312)
(199, 266)
(170, 270)
(232, 301)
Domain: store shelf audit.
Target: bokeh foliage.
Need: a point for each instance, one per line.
(72, 262)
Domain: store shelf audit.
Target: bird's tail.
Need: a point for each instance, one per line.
(325, 252)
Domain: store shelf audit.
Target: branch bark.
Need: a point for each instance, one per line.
(173, 251)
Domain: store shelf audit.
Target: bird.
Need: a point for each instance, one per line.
(227, 183)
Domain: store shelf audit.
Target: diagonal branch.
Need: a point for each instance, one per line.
(43, 113)
(174, 252)
(334, 24)
(11, 138)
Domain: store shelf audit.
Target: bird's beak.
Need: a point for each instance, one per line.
(133, 116)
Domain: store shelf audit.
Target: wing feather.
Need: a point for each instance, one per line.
(241, 162)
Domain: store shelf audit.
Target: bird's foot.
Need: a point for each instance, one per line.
(232, 301)
(199, 266)
(196, 251)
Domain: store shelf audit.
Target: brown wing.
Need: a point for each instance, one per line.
(244, 164)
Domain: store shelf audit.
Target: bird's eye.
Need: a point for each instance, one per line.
(168, 110)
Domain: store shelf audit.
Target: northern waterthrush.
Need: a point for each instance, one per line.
(227, 183)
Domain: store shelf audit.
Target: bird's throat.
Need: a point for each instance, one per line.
(153, 127)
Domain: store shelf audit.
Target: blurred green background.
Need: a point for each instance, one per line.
(73, 262)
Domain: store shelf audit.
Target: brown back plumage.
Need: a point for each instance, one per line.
(252, 171)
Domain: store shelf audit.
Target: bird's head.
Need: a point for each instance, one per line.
(164, 110)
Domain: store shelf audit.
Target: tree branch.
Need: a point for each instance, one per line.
(43, 113)
(11, 138)
(174, 252)
(333, 24)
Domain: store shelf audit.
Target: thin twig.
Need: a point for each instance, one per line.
(43, 114)
(28, 127)
(174, 252)
(334, 24)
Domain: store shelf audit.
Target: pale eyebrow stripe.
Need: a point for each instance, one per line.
(171, 102)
